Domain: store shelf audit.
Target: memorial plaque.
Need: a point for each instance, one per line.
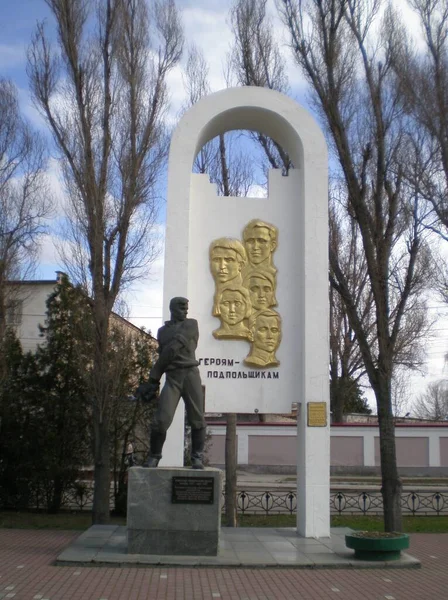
(192, 490)
(317, 414)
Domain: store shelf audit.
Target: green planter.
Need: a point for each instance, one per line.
(372, 546)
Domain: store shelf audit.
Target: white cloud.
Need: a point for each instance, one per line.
(257, 191)
(210, 31)
(48, 253)
(55, 179)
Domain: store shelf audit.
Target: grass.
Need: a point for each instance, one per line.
(436, 524)
(39, 520)
(365, 523)
(82, 521)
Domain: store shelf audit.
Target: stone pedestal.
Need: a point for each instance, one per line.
(179, 516)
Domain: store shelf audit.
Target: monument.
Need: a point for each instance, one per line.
(256, 273)
(175, 511)
(178, 340)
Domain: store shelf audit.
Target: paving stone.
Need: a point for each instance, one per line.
(288, 558)
(314, 580)
(280, 546)
(148, 559)
(256, 558)
(305, 542)
(243, 546)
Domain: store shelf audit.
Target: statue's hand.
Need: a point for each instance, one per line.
(148, 391)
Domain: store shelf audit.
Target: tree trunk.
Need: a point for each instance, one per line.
(101, 400)
(101, 496)
(224, 167)
(391, 483)
(56, 498)
(231, 465)
(2, 328)
(336, 400)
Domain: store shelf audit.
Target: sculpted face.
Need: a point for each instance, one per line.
(232, 307)
(224, 264)
(267, 333)
(179, 310)
(259, 245)
(261, 293)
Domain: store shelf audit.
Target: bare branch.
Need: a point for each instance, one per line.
(103, 94)
(349, 64)
(25, 200)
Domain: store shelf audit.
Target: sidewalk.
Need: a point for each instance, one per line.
(27, 572)
(245, 547)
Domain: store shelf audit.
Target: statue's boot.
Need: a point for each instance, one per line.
(155, 449)
(197, 447)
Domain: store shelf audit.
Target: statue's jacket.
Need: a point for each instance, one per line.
(178, 341)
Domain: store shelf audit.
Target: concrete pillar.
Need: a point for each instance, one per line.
(298, 206)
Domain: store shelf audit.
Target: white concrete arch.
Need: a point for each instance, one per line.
(260, 119)
(298, 206)
(251, 108)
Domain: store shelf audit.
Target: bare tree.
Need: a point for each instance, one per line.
(400, 392)
(103, 94)
(422, 74)
(349, 69)
(423, 77)
(24, 197)
(255, 60)
(197, 86)
(346, 362)
(433, 403)
(227, 165)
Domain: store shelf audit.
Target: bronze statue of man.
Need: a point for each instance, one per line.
(178, 340)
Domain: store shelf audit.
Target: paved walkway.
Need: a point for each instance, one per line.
(27, 572)
(238, 547)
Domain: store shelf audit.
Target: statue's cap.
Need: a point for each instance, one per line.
(177, 300)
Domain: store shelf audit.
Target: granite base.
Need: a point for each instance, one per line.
(158, 525)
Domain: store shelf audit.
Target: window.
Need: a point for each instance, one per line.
(14, 313)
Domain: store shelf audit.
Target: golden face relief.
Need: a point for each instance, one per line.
(259, 245)
(224, 264)
(245, 291)
(261, 293)
(266, 336)
(233, 310)
(232, 306)
(267, 333)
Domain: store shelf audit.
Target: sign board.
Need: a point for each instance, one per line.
(317, 414)
(192, 490)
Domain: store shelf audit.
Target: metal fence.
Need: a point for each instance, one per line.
(421, 502)
(348, 502)
(265, 502)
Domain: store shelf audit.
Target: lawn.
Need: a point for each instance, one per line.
(83, 520)
(41, 520)
(410, 524)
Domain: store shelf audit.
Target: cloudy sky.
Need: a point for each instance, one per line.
(205, 23)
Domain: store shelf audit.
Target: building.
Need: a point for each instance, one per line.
(422, 447)
(26, 310)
